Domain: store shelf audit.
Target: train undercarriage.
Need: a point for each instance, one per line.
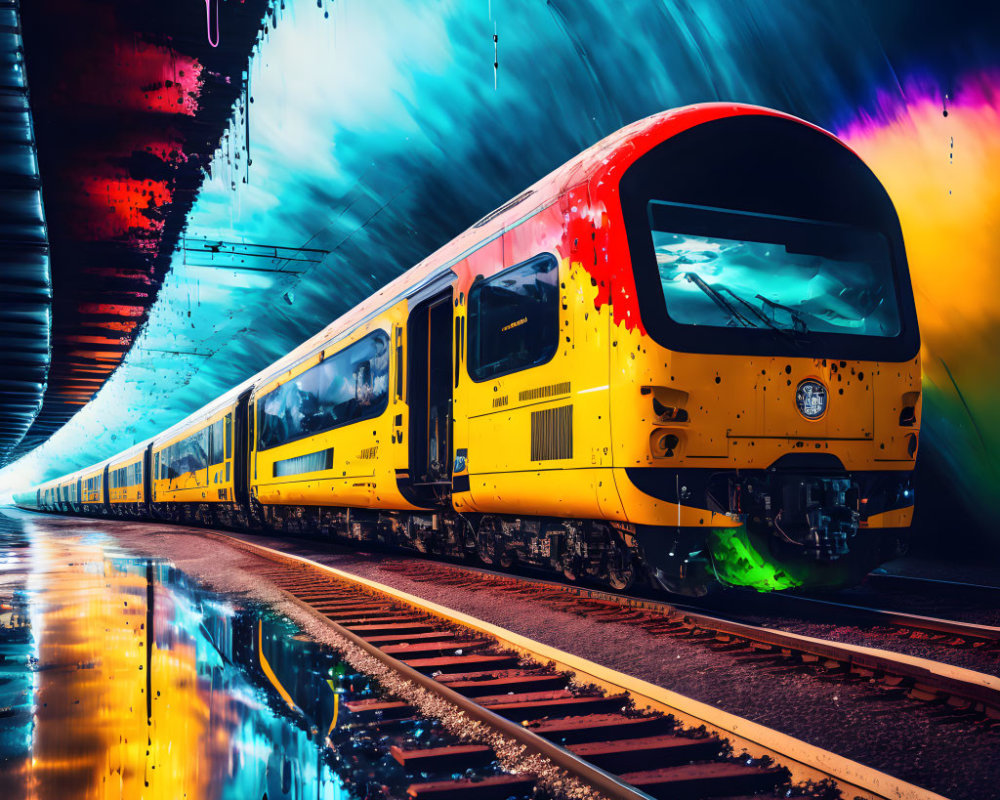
(680, 561)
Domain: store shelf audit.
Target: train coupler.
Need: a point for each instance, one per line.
(814, 515)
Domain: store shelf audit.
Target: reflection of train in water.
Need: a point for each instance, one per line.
(688, 355)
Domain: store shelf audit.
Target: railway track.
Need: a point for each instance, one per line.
(964, 691)
(620, 736)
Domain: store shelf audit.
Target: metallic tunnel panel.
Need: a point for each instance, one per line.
(25, 285)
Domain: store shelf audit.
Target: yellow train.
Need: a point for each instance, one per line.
(688, 356)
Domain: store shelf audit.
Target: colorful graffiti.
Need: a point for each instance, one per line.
(937, 154)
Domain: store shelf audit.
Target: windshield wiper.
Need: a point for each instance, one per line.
(752, 309)
(783, 332)
(718, 299)
(797, 322)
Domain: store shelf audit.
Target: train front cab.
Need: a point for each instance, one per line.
(767, 402)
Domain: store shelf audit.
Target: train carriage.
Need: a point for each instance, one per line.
(127, 485)
(46, 496)
(93, 489)
(688, 355)
(62, 497)
(193, 478)
(328, 433)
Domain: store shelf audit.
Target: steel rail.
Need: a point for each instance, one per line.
(914, 581)
(980, 689)
(587, 773)
(931, 678)
(905, 619)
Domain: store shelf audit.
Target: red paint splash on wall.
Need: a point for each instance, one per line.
(121, 207)
(113, 310)
(137, 76)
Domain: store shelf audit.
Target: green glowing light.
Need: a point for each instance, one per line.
(738, 562)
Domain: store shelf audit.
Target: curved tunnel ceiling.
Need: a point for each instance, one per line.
(129, 102)
(25, 291)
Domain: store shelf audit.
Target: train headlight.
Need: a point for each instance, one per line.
(811, 399)
(663, 443)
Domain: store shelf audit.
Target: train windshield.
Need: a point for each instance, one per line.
(723, 268)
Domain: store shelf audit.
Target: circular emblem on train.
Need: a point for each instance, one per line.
(810, 397)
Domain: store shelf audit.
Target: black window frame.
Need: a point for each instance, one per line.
(376, 410)
(797, 172)
(544, 356)
(216, 443)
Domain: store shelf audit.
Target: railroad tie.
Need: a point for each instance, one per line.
(436, 759)
(597, 727)
(705, 780)
(631, 755)
(499, 787)
(535, 705)
(379, 709)
(462, 663)
(500, 682)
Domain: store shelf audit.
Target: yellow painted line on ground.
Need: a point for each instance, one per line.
(804, 760)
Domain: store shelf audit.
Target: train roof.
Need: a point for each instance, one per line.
(613, 153)
(128, 455)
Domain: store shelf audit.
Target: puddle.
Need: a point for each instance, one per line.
(121, 677)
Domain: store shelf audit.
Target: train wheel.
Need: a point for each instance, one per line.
(621, 568)
(488, 540)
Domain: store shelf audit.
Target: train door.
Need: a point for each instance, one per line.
(429, 390)
(242, 447)
(147, 477)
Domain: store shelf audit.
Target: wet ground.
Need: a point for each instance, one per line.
(121, 677)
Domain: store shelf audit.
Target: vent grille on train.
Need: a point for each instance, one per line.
(552, 433)
(310, 462)
(500, 402)
(541, 392)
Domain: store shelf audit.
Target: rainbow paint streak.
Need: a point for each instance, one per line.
(938, 157)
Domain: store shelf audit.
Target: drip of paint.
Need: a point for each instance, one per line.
(208, 21)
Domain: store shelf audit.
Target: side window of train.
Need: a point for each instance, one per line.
(217, 440)
(345, 387)
(187, 455)
(514, 319)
